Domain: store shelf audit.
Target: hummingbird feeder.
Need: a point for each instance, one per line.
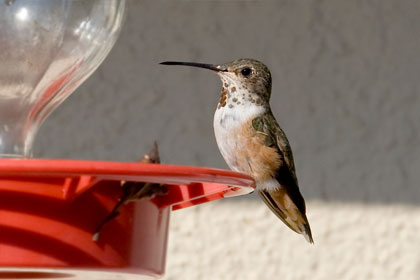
(49, 209)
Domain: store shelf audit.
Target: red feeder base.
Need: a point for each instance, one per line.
(50, 209)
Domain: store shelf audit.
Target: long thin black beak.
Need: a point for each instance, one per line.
(217, 68)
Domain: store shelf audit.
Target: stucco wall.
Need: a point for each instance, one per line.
(346, 91)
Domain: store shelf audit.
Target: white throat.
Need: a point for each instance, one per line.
(236, 106)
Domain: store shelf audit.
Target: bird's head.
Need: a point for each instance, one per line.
(244, 76)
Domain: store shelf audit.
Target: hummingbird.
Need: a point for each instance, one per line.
(134, 191)
(252, 142)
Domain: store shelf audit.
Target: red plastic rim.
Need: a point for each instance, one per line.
(187, 185)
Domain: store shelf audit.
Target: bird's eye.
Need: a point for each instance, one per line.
(246, 71)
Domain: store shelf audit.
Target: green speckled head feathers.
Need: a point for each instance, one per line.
(252, 74)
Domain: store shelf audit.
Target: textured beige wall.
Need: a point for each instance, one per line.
(346, 91)
(242, 240)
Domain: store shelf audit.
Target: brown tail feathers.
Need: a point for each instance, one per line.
(285, 208)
